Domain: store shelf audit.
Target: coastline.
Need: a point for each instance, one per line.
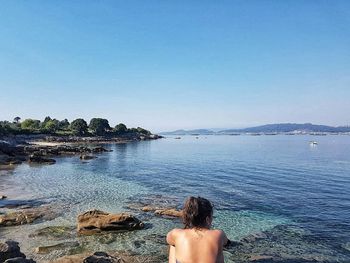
(41, 148)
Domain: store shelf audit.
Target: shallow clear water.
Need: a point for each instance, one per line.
(257, 183)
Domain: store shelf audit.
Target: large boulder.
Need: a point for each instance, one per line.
(10, 249)
(97, 221)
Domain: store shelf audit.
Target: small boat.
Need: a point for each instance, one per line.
(177, 138)
(312, 143)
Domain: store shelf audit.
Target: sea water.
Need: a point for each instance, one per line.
(280, 185)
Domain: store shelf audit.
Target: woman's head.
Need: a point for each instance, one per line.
(197, 212)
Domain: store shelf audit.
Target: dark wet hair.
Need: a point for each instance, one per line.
(196, 211)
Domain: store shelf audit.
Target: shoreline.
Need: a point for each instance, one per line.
(42, 149)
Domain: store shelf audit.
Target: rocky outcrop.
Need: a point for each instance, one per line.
(26, 216)
(11, 154)
(97, 221)
(39, 159)
(3, 197)
(103, 257)
(10, 252)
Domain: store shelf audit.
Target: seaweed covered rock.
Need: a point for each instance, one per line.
(97, 221)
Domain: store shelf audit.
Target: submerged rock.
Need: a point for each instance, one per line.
(59, 246)
(169, 212)
(55, 232)
(26, 216)
(103, 257)
(97, 221)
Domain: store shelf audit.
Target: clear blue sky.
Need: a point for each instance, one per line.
(168, 64)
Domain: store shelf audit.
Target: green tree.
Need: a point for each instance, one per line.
(99, 126)
(120, 128)
(63, 125)
(79, 127)
(143, 131)
(16, 119)
(51, 126)
(46, 120)
(30, 124)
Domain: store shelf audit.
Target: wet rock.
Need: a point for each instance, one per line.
(260, 258)
(169, 212)
(39, 159)
(26, 216)
(59, 246)
(19, 260)
(102, 257)
(97, 221)
(10, 249)
(100, 149)
(87, 157)
(55, 232)
(3, 197)
(119, 257)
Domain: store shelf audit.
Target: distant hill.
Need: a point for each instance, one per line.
(290, 127)
(268, 128)
(189, 132)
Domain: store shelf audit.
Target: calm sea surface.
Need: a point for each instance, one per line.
(277, 184)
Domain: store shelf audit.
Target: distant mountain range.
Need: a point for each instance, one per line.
(268, 128)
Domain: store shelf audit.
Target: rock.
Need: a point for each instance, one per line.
(260, 258)
(103, 257)
(3, 197)
(98, 257)
(26, 216)
(19, 260)
(169, 212)
(55, 232)
(59, 246)
(162, 211)
(97, 221)
(39, 159)
(99, 150)
(87, 157)
(10, 249)
(253, 237)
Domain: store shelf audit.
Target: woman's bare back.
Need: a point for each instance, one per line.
(197, 245)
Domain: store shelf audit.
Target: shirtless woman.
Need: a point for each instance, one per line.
(196, 243)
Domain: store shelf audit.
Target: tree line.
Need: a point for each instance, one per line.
(78, 127)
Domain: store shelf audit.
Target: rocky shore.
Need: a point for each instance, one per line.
(282, 244)
(41, 149)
